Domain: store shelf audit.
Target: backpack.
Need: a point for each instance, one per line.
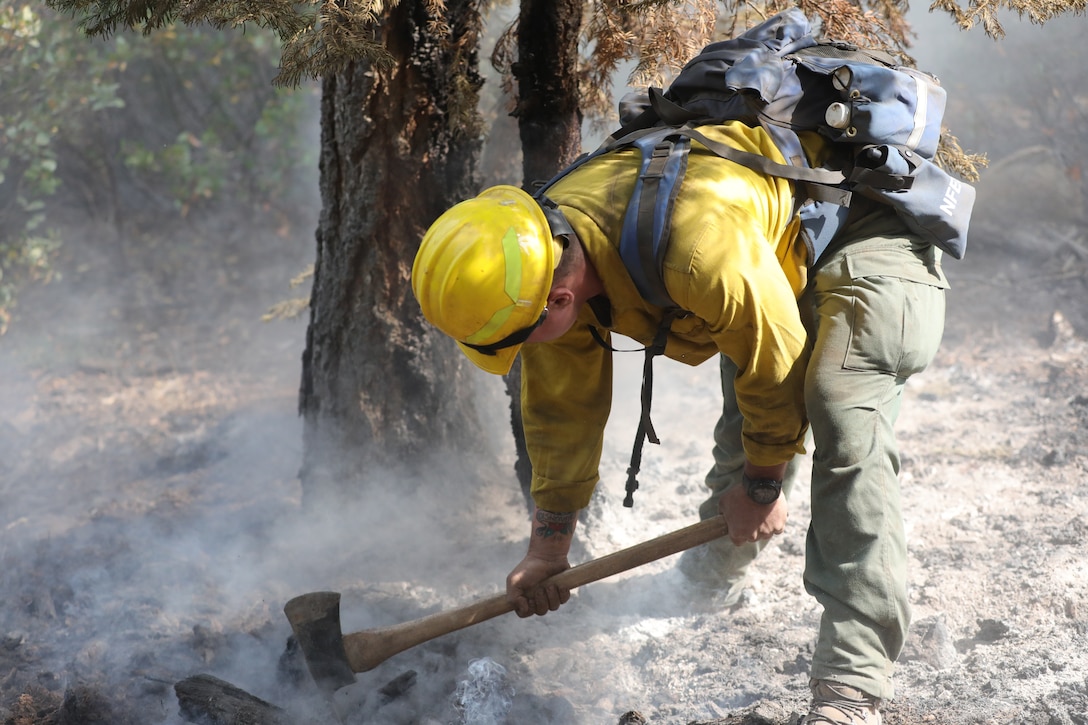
(883, 118)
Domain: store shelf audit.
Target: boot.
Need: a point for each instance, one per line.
(834, 703)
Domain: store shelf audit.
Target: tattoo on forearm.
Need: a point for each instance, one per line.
(552, 523)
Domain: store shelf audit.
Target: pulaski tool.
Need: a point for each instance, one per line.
(333, 657)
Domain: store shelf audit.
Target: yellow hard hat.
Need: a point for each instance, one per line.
(483, 272)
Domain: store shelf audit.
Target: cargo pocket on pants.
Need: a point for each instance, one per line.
(897, 315)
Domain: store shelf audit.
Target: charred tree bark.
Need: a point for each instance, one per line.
(548, 109)
(399, 145)
(550, 125)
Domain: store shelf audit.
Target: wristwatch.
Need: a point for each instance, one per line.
(762, 490)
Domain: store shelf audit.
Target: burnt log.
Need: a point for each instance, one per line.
(207, 700)
(397, 687)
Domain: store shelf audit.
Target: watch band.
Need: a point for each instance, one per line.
(762, 490)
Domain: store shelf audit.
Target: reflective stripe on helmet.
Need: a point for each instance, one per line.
(511, 253)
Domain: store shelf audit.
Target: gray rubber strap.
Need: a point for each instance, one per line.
(827, 177)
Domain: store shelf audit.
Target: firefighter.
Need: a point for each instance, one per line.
(829, 345)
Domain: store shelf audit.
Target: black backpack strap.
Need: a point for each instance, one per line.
(871, 159)
(645, 425)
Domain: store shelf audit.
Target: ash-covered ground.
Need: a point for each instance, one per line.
(151, 527)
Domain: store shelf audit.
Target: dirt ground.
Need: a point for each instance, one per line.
(151, 527)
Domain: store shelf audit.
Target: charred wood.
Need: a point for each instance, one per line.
(207, 700)
(397, 687)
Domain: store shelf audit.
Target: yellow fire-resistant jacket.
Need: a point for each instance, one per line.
(733, 261)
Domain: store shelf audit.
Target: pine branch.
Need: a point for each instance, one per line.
(984, 12)
(951, 157)
(318, 36)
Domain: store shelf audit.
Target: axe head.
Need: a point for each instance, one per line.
(315, 620)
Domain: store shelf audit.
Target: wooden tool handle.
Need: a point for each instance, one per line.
(639, 554)
(369, 648)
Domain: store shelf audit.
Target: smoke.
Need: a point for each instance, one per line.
(152, 525)
(485, 695)
(1021, 100)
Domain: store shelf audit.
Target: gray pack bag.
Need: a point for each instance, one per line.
(935, 205)
(777, 76)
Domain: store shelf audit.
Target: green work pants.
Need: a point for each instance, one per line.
(874, 309)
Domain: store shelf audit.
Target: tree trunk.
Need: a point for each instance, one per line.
(399, 145)
(550, 124)
(548, 110)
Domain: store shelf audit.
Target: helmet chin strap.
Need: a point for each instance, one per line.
(517, 337)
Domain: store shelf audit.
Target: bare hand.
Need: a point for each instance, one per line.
(749, 521)
(523, 590)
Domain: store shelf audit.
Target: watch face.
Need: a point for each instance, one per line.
(764, 491)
